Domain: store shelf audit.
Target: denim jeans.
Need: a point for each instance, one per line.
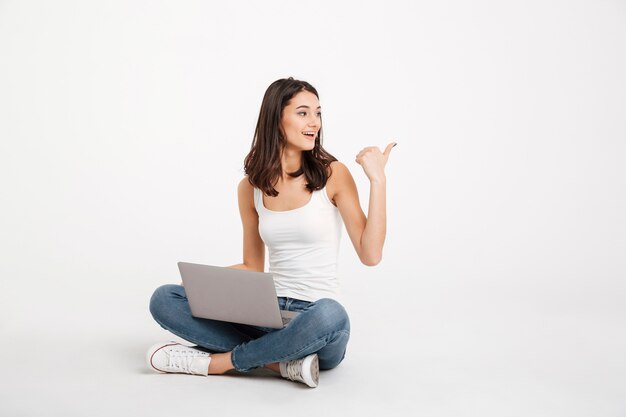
(322, 327)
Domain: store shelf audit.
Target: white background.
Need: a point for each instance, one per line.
(123, 128)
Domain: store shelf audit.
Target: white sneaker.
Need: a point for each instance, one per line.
(176, 358)
(306, 370)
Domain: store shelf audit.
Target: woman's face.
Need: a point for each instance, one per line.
(301, 121)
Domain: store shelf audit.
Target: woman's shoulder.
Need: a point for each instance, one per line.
(338, 172)
(336, 168)
(245, 191)
(339, 177)
(245, 186)
(245, 183)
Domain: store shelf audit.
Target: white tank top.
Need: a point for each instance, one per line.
(303, 247)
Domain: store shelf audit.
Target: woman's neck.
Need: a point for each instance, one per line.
(290, 161)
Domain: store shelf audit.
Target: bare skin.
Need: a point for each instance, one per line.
(221, 363)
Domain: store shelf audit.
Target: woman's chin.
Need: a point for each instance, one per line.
(304, 147)
(309, 146)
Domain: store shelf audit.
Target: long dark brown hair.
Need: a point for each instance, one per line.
(262, 164)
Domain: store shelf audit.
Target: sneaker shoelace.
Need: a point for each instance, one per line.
(294, 370)
(182, 359)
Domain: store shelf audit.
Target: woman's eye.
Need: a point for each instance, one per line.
(319, 114)
(302, 113)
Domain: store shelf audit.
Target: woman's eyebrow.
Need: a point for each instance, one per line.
(307, 107)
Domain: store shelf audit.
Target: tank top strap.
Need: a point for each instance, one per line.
(323, 197)
(258, 199)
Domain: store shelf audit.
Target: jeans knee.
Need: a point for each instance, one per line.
(160, 297)
(332, 314)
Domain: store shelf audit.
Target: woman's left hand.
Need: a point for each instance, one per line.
(373, 161)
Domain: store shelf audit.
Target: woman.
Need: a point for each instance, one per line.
(293, 199)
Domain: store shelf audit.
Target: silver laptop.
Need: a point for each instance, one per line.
(233, 295)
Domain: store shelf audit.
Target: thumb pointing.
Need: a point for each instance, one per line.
(389, 148)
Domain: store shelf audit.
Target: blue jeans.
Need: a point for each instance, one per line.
(322, 327)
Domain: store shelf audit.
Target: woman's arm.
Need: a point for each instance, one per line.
(367, 234)
(253, 246)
